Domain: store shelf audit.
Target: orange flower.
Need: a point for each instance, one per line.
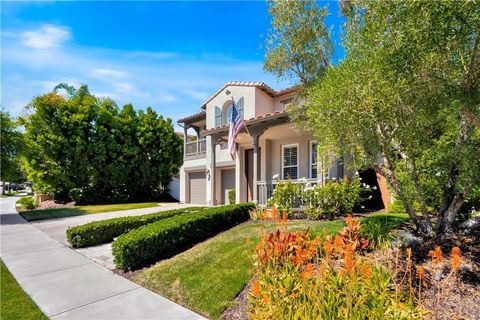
(436, 255)
(409, 253)
(265, 215)
(328, 247)
(274, 213)
(309, 272)
(455, 258)
(366, 271)
(349, 220)
(294, 295)
(349, 259)
(284, 217)
(338, 243)
(256, 288)
(266, 298)
(420, 273)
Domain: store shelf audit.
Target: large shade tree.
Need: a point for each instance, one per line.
(405, 101)
(88, 149)
(11, 144)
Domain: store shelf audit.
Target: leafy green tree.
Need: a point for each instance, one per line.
(89, 150)
(11, 143)
(57, 132)
(298, 46)
(405, 101)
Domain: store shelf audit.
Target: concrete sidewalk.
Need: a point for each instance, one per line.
(67, 285)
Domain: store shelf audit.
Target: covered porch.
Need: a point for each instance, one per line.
(269, 146)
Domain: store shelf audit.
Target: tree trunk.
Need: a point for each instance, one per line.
(3, 187)
(445, 222)
(423, 225)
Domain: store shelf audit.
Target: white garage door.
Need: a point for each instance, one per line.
(198, 187)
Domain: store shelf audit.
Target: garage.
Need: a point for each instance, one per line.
(198, 187)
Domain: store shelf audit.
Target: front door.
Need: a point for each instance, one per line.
(249, 172)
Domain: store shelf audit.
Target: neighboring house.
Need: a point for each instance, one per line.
(272, 146)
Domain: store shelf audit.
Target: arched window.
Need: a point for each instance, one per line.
(226, 112)
(218, 117)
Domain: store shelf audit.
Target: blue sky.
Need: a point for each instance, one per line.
(167, 55)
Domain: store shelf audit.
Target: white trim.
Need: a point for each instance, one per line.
(310, 161)
(298, 151)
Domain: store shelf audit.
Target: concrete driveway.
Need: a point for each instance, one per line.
(67, 285)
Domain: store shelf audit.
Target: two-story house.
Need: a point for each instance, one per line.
(271, 146)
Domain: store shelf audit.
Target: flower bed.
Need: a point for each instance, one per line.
(104, 231)
(167, 237)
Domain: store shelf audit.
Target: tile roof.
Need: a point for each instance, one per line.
(261, 118)
(263, 86)
(194, 117)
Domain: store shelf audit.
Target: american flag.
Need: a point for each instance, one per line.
(236, 124)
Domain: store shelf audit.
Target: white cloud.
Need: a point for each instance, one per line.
(198, 95)
(46, 37)
(107, 74)
(167, 97)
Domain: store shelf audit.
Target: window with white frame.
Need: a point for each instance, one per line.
(290, 161)
(313, 159)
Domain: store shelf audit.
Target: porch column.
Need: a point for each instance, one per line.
(256, 163)
(255, 134)
(211, 167)
(185, 139)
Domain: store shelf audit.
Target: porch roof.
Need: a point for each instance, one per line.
(265, 120)
(194, 117)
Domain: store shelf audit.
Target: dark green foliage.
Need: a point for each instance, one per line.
(84, 148)
(167, 237)
(104, 231)
(27, 203)
(11, 143)
(378, 229)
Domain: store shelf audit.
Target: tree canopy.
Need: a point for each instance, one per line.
(88, 149)
(298, 45)
(11, 143)
(406, 102)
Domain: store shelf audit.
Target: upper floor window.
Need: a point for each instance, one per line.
(222, 116)
(313, 159)
(285, 103)
(290, 161)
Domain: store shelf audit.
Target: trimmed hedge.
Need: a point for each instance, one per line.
(104, 231)
(165, 238)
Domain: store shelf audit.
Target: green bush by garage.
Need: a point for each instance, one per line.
(167, 237)
(104, 231)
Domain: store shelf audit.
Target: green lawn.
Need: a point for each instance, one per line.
(15, 303)
(207, 277)
(35, 215)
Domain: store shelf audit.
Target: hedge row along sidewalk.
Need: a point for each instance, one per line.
(165, 238)
(105, 231)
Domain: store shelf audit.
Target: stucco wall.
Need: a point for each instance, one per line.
(248, 94)
(263, 103)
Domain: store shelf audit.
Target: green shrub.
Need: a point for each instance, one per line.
(27, 203)
(167, 237)
(104, 231)
(286, 196)
(396, 207)
(332, 200)
(377, 232)
(231, 196)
